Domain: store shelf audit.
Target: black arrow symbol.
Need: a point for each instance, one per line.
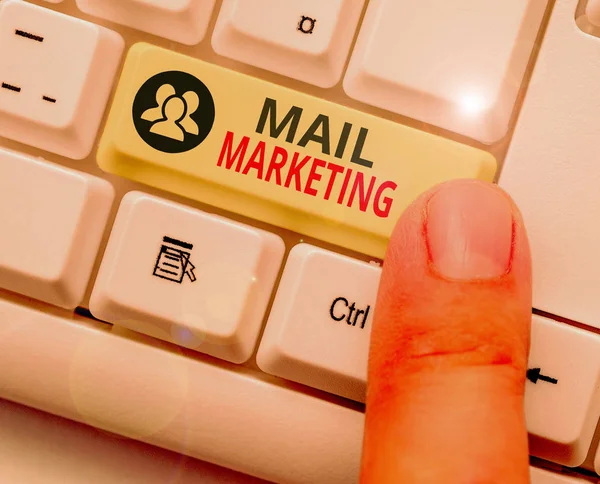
(535, 374)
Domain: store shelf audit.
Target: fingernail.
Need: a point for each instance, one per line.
(469, 231)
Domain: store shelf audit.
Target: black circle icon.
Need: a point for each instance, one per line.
(173, 112)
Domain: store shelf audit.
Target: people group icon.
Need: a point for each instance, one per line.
(173, 112)
(171, 117)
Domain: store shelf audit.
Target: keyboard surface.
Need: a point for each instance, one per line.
(196, 197)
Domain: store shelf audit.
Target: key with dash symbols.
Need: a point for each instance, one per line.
(56, 73)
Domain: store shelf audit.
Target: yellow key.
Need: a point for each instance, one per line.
(271, 153)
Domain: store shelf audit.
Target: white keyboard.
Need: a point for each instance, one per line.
(195, 201)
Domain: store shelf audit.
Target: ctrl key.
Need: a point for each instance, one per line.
(319, 329)
(184, 276)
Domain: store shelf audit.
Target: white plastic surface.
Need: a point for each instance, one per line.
(158, 396)
(38, 448)
(454, 64)
(181, 275)
(320, 325)
(56, 73)
(307, 40)
(52, 220)
(183, 21)
(543, 476)
(552, 170)
(562, 397)
(69, 452)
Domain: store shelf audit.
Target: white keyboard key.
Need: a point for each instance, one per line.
(56, 73)
(52, 221)
(552, 170)
(562, 398)
(597, 461)
(306, 40)
(183, 21)
(592, 12)
(181, 275)
(455, 64)
(233, 419)
(30, 436)
(542, 476)
(320, 325)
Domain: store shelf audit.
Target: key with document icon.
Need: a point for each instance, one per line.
(173, 262)
(188, 277)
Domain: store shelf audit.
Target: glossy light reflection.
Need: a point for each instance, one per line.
(472, 104)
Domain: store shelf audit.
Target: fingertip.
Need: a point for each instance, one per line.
(442, 223)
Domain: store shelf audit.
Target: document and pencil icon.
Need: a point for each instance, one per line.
(173, 261)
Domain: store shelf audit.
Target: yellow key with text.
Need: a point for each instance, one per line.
(271, 153)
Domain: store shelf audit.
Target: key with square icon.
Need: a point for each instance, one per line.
(306, 40)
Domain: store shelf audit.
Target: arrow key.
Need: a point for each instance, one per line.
(562, 402)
